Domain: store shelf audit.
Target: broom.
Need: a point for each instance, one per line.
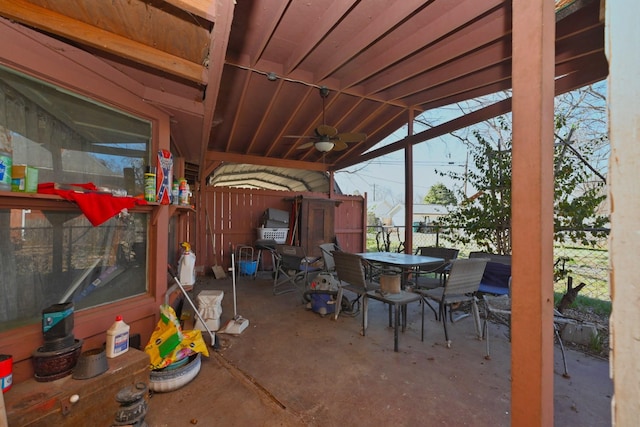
(238, 324)
(218, 271)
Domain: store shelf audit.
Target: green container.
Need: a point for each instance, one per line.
(5, 171)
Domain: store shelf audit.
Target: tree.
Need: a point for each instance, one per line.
(485, 217)
(439, 194)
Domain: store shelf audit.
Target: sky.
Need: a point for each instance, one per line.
(383, 178)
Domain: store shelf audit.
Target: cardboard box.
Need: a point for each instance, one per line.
(24, 179)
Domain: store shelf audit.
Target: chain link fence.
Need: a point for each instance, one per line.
(578, 262)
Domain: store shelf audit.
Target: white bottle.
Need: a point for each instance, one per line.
(117, 338)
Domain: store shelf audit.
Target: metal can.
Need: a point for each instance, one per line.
(150, 185)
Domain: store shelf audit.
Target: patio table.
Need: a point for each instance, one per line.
(406, 262)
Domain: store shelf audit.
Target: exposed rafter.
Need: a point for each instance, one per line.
(80, 32)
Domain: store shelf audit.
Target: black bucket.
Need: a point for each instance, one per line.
(57, 321)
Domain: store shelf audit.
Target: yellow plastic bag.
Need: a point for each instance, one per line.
(164, 339)
(191, 343)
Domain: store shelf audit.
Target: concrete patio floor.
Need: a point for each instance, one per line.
(292, 367)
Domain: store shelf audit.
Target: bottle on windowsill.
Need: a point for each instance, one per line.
(117, 338)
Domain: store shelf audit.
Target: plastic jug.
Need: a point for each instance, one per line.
(117, 338)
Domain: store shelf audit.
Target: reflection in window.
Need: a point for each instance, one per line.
(53, 254)
(71, 139)
(58, 256)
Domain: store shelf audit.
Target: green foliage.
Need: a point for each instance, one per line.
(439, 194)
(485, 217)
(596, 343)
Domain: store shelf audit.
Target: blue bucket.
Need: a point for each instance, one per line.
(248, 267)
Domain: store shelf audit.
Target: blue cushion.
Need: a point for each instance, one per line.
(495, 279)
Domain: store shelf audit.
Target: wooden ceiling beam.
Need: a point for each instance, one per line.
(265, 161)
(219, 41)
(596, 72)
(52, 22)
(203, 8)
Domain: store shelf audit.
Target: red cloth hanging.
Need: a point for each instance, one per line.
(98, 207)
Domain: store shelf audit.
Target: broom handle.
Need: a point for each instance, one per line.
(233, 281)
(186, 296)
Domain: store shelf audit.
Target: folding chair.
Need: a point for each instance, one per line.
(292, 266)
(460, 287)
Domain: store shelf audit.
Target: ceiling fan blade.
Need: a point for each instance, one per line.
(305, 145)
(339, 145)
(326, 130)
(352, 137)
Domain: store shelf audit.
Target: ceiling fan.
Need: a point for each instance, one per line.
(326, 137)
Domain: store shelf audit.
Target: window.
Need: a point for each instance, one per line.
(49, 252)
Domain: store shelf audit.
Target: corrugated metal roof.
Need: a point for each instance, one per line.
(270, 178)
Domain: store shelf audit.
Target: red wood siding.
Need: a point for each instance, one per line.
(235, 214)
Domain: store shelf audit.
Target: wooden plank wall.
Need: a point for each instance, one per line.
(234, 214)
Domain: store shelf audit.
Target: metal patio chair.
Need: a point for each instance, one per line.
(430, 277)
(460, 287)
(351, 274)
(327, 250)
(498, 308)
(292, 267)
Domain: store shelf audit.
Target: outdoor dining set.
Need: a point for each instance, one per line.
(452, 287)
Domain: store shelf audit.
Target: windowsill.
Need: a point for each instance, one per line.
(20, 200)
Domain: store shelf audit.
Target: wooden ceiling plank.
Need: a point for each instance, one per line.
(443, 83)
(333, 13)
(387, 18)
(282, 132)
(464, 83)
(477, 92)
(203, 8)
(266, 33)
(52, 22)
(489, 28)
(175, 102)
(239, 114)
(460, 44)
(265, 117)
(489, 56)
(592, 74)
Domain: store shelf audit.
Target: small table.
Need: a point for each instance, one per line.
(401, 260)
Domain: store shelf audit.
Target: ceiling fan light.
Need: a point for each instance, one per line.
(324, 146)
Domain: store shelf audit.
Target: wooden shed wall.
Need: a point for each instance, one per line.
(234, 214)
